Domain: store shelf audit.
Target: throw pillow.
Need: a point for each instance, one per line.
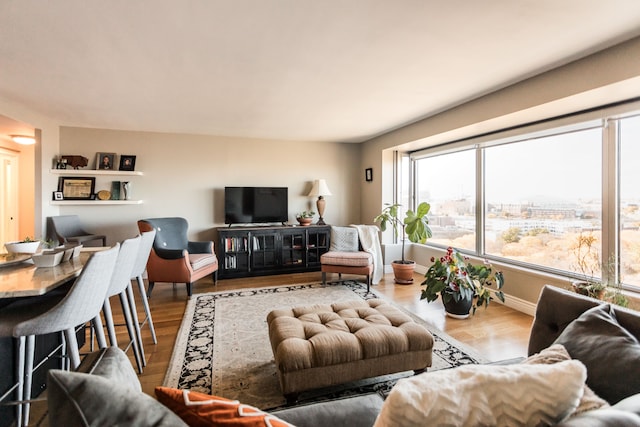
(557, 353)
(610, 353)
(78, 399)
(199, 409)
(488, 395)
(344, 239)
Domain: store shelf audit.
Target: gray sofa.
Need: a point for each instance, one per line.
(606, 341)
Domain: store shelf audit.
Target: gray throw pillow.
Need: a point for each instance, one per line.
(344, 239)
(610, 353)
(77, 399)
(113, 364)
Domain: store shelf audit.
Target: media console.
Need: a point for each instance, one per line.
(257, 251)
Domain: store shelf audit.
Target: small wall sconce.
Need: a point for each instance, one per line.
(368, 174)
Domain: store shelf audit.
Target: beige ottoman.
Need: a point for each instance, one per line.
(323, 345)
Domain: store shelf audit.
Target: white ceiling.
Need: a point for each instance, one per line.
(310, 70)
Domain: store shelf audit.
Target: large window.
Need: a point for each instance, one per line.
(447, 183)
(562, 196)
(541, 196)
(629, 222)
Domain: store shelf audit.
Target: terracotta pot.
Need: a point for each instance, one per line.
(305, 221)
(458, 309)
(403, 273)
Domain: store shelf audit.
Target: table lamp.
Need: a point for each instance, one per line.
(320, 189)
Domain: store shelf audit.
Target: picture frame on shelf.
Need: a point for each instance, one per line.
(106, 161)
(77, 188)
(57, 195)
(127, 162)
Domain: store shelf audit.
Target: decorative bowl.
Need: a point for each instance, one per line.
(48, 258)
(71, 250)
(22, 247)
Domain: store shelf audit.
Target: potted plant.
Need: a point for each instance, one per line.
(415, 226)
(459, 282)
(587, 263)
(26, 246)
(305, 217)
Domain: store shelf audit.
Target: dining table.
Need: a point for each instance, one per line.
(19, 277)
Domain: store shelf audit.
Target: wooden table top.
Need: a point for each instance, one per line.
(24, 279)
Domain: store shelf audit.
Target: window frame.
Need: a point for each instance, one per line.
(607, 118)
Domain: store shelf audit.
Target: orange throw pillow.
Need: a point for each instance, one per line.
(199, 409)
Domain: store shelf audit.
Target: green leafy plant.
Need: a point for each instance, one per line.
(453, 277)
(305, 214)
(415, 225)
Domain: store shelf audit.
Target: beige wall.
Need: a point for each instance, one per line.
(606, 77)
(185, 175)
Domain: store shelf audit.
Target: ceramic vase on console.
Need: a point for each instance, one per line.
(305, 221)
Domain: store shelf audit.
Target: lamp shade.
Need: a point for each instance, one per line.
(319, 188)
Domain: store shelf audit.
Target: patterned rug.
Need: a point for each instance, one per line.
(223, 345)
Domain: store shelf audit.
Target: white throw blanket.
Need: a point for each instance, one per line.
(370, 242)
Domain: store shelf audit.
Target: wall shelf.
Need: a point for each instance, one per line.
(91, 172)
(96, 202)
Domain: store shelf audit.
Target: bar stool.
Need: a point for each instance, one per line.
(146, 242)
(60, 313)
(119, 283)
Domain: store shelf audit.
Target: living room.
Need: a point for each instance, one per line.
(185, 170)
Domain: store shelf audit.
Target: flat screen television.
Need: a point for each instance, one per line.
(253, 205)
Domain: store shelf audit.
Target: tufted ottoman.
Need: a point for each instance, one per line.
(323, 345)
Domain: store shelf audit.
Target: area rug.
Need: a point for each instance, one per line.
(223, 345)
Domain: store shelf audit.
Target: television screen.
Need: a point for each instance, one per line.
(246, 205)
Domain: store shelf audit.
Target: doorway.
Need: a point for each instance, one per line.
(9, 223)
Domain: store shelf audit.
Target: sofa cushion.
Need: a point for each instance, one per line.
(557, 353)
(474, 395)
(199, 409)
(79, 399)
(347, 259)
(111, 363)
(610, 353)
(344, 239)
(353, 411)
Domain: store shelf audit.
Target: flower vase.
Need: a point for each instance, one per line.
(457, 309)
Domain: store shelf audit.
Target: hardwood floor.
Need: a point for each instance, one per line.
(496, 333)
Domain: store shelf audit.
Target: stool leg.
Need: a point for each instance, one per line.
(147, 309)
(72, 347)
(108, 320)
(20, 379)
(324, 277)
(99, 331)
(124, 301)
(28, 375)
(136, 325)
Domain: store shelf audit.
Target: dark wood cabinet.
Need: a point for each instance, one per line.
(255, 251)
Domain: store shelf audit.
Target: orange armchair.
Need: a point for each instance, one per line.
(175, 259)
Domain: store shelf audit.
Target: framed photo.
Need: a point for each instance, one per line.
(368, 174)
(77, 188)
(57, 195)
(106, 161)
(127, 162)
